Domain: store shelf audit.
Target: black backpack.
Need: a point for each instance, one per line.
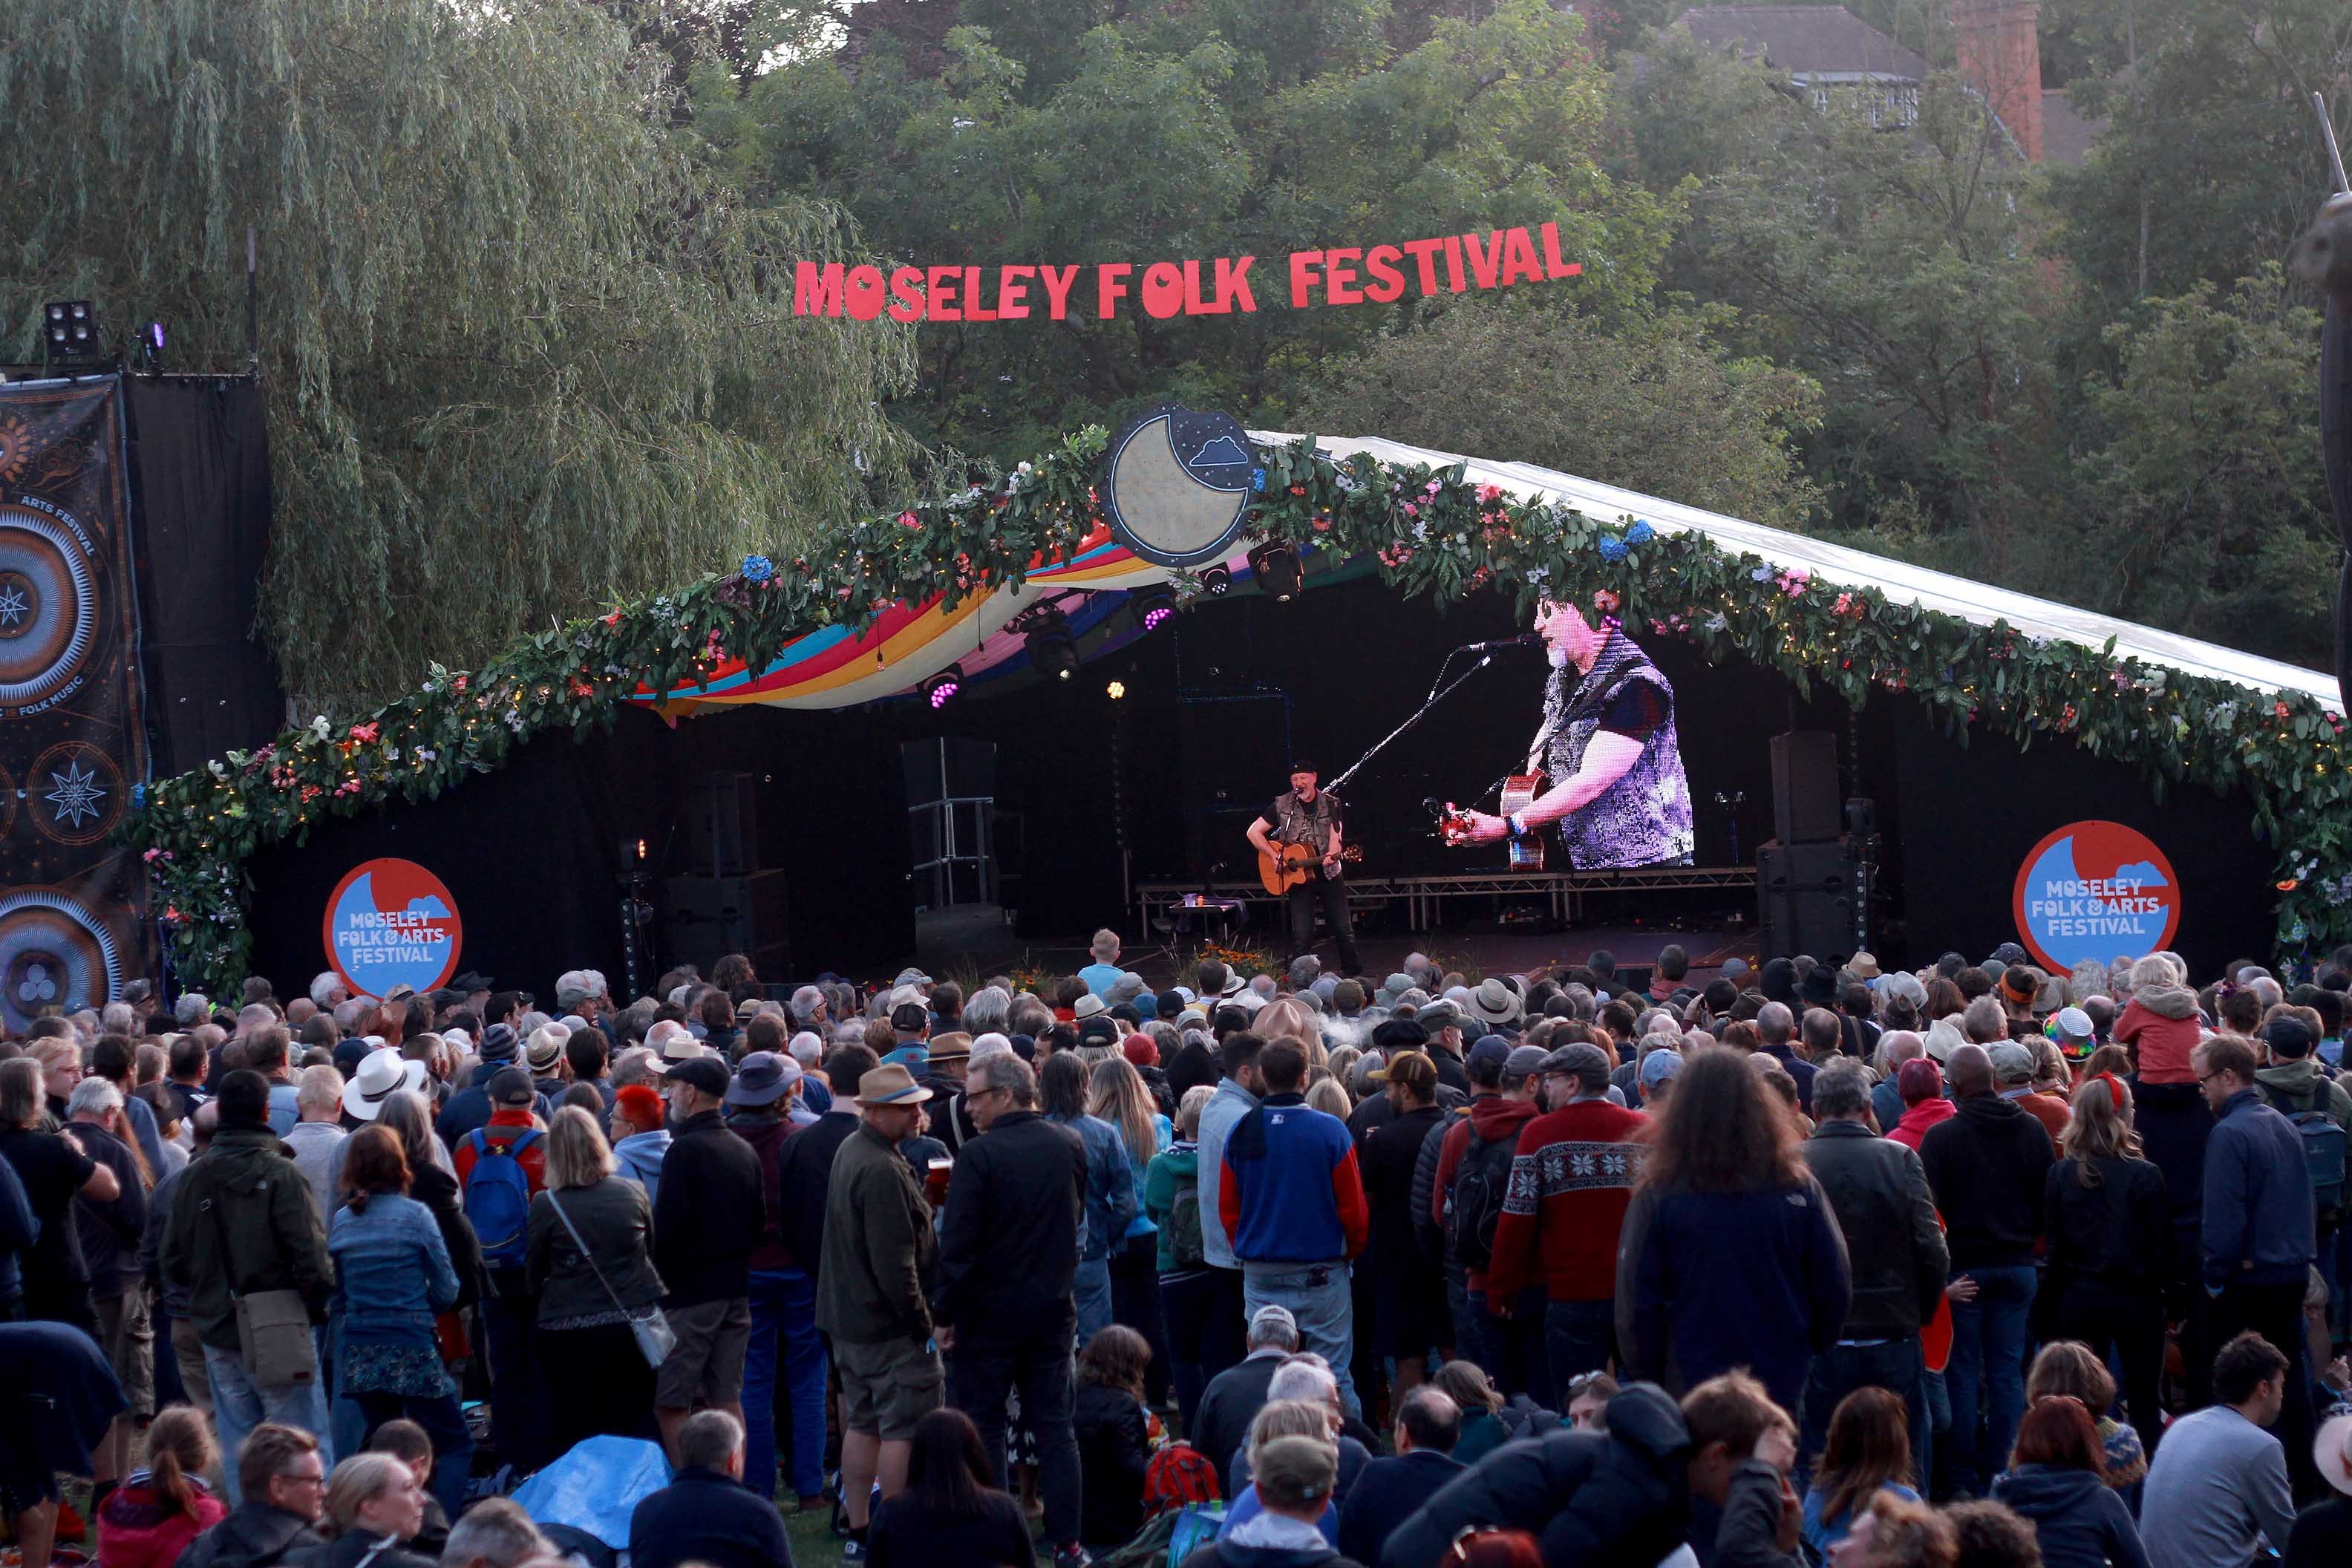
(1476, 1206)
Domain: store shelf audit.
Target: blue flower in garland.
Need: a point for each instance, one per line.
(1641, 532)
(1761, 575)
(1257, 479)
(139, 797)
(1612, 549)
(757, 568)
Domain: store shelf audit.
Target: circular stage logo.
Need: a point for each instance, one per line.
(54, 951)
(391, 922)
(1177, 484)
(2095, 891)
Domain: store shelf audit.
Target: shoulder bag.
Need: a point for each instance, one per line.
(656, 1339)
(273, 1326)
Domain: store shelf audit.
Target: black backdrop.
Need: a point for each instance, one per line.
(1199, 742)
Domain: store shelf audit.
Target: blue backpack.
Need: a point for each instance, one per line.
(498, 1196)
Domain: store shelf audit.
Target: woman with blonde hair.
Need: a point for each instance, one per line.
(2111, 1246)
(374, 1508)
(590, 1263)
(1115, 1094)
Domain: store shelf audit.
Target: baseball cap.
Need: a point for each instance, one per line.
(2288, 1038)
(510, 1085)
(1291, 1472)
(1410, 1068)
(702, 1072)
(2010, 1061)
(1271, 1317)
(1489, 1048)
(1660, 1066)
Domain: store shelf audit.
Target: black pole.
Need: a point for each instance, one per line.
(252, 307)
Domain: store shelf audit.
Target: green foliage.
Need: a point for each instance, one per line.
(2211, 507)
(1076, 132)
(2214, 128)
(1655, 406)
(1433, 532)
(523, 354)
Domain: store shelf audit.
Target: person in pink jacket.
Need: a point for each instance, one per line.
(149, 1520)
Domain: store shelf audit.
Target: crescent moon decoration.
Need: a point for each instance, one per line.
(48, 606)
(53, 950)
(1177, 485)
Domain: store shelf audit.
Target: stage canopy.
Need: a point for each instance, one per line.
(840, 667)
(875, 611)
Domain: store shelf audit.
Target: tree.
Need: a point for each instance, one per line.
(1081, 132)
(2205, 509)
(524, 353)
(2213, 129)
(1656, 406)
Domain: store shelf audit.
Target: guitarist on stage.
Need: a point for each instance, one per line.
(1307, 816)
(1609, 748)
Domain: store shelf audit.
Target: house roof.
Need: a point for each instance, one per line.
(1805, 40)
(2066, 134)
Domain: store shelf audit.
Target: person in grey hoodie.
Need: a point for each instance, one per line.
(640, 1138)
(1237, 1095)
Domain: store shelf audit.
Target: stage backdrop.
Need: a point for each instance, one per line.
(73, 742)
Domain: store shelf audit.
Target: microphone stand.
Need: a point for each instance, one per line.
(1437, 693)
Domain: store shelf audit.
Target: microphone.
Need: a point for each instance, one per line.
(1525, 639)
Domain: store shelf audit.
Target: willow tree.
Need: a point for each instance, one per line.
(524, 350)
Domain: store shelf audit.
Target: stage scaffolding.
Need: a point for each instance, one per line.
(1565, 893)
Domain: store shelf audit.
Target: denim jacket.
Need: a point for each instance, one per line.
(391, 1269)
(1110, 1185)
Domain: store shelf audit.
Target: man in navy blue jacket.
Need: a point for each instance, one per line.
(707, 1514)
(1427, 1424)
(2259, 1230)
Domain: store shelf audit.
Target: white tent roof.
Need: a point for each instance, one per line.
(1980, 603)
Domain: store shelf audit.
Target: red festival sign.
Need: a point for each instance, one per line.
(1342, 274)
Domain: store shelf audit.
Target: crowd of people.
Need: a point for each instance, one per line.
(1801, 1264)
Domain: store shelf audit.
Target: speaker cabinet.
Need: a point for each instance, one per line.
(1805, 805)
(710, 916)
(722, 825)
(1810, 898)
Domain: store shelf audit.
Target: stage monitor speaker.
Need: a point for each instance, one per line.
(1633, 980)
(1805, 805)
(722, 825)
(711, 916)
(1809, 899)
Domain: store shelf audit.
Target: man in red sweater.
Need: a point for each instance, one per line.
(1571, 1182)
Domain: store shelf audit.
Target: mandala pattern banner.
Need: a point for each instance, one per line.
(73, 742)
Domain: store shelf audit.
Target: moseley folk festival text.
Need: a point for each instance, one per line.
(1342, 276)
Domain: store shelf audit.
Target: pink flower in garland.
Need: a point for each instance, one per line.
(908, 519)
(1489, 494)
(366, 734)
(1795, 580)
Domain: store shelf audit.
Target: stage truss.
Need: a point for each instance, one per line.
(1565, 893)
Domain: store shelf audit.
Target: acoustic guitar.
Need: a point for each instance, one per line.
(1296, 863)
(1519, 791)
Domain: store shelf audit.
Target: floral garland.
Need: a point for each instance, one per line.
(1431, 531)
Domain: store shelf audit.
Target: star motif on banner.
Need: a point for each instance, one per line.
(13, 605)
(77, 794)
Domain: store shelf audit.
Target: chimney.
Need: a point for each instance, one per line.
(1999, 47)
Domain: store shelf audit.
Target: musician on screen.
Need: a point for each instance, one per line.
(1306, 816)
(1607, 747)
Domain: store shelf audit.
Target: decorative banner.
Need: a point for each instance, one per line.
(2095, 891)
(1342, 274)
(1176, 485)
(391, 922)
(72, 738)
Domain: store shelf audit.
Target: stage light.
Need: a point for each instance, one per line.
(1275, 566)
(1150, 608)
(941, 688)
(70, 331)
(1052, 651)
(1217, 581)
(1117, 689)
(150, 345)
